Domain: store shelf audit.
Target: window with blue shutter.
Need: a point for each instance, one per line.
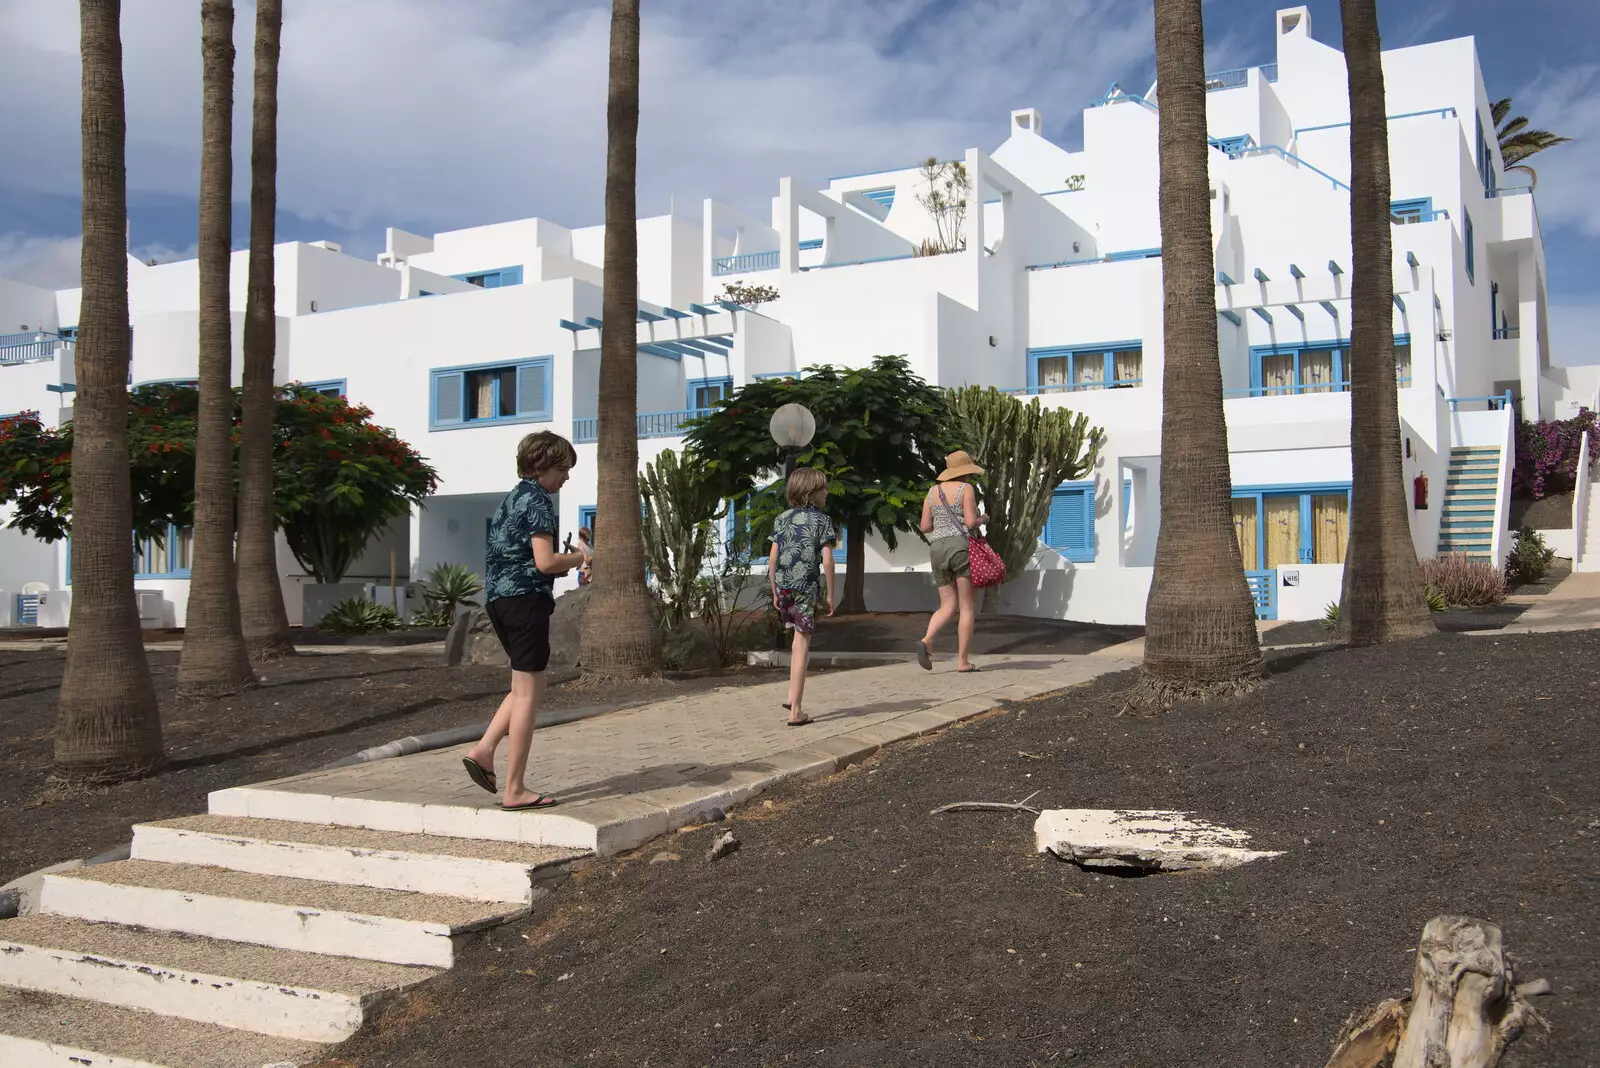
(1069, 530)
(704, 394)
(496, 279)
(517, 392)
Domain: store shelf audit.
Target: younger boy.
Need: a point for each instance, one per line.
(519, 577)
(798, 539)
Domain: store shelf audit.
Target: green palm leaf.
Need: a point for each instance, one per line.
(1518, 142)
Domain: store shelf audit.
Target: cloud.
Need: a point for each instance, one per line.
(1574, 326)
(429, 114)
(1566, 101)
(49, 262)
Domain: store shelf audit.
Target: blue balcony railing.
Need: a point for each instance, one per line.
(745, 262)
(650, 425)
(1227, 79)
(31, 347)
(1508, 191)
(1490, 404)
(1507, 333)
(1302, 388)
(1075, 387)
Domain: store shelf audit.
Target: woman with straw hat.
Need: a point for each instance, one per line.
(949, 512)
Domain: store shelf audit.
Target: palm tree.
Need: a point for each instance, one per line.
(1517, 142)
(1382, 598)
(620, 636)
(109, 727)
(214, 659)
(266, 623)
(1200, 628)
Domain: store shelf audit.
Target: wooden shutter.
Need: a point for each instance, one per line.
(533, 389)
(447, 388)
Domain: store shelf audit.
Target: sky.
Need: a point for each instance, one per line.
(432, 115)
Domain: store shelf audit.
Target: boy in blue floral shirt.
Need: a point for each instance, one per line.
(799, 538)
(520, 571)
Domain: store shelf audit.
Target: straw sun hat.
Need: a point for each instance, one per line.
(958, 464)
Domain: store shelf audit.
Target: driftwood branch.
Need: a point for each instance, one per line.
(1001, 806)
(1464, 1009)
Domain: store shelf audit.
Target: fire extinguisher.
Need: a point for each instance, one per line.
(1419, 492)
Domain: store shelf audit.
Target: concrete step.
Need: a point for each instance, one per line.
(356, 856)
(303, 996)
(1468, 450)
(270, 910)
(52, 1031)
(1465, 525)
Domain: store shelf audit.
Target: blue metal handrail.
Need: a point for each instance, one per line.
(30, 347)
(1227, 79)
(1290, 157)
(745, 261)
(1420, 217)
(586, 430)
(1445, 113)
(1495, 402)
(1302, 388)
(1507, 333)
(1508, 191)
(1110, 257)
(1074, 387)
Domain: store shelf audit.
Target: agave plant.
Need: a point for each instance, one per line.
(447, 588)
(357, 615)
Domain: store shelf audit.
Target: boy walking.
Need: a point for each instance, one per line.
(798, 539)
(519, 579)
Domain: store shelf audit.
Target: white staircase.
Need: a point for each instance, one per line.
(1589, 536)
(229, 942)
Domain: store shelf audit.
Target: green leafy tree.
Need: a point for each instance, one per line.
(882, 435)
(338, 477)
(679, 507)
(747, 296)
(1026, 451)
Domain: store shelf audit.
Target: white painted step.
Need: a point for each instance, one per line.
(270, 910)
(306, 997)
(356, 856)
(52, 1031)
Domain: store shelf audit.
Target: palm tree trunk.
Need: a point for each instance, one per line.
(214, 660)
(1200, 630)
(853, 592)
(620, 637)
(1382, 597)
(109, 726)
(266, 623)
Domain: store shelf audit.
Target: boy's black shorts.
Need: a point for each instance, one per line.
(522, 623)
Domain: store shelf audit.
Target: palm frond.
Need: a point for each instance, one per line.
(1499, 110)
(1511, 128)
(1518, 148)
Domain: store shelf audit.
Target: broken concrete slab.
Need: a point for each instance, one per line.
(1141, 840)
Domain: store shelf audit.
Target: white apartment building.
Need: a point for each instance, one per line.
(466, 340)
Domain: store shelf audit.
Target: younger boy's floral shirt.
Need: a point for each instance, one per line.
(508, 564)
(801, 534)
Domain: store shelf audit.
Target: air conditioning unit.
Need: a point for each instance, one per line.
(150, 606)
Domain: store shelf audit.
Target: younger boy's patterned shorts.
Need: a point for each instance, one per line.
(795, 608)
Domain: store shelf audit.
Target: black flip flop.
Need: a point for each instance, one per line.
(798, 722)
(542, 801)
(480, 776)
(967, 671)
(923, 657)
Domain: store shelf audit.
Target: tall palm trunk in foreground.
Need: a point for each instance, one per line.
(1382, 598)
(266, 623)
(619, 637)
(1200, 629)
(214, 659)
(109, 727)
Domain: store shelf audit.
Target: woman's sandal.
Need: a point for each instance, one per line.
(480, 775)
(923, 656)
(541, 801)
(967, 670)
(801, 722)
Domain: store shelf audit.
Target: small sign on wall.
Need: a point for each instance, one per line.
(1291, 578)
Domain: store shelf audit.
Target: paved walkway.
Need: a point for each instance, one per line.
(631, 775)
(1574, 604)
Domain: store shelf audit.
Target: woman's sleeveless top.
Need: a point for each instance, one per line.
(947, 522)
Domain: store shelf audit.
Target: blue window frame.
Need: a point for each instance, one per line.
(776, 374)
(1282, 526)
(156, 558)
(811, 244)
(1466, 239)
(707, 392)
(1417, 209)
(495, 279)
(333, 387)
(1485, 157)
(586, 514)
(1319, 367)
(1069, 529)
(481, 394)
(1117, 365)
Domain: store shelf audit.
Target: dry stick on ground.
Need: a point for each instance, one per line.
(1005, 806)
(1463, 1010)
